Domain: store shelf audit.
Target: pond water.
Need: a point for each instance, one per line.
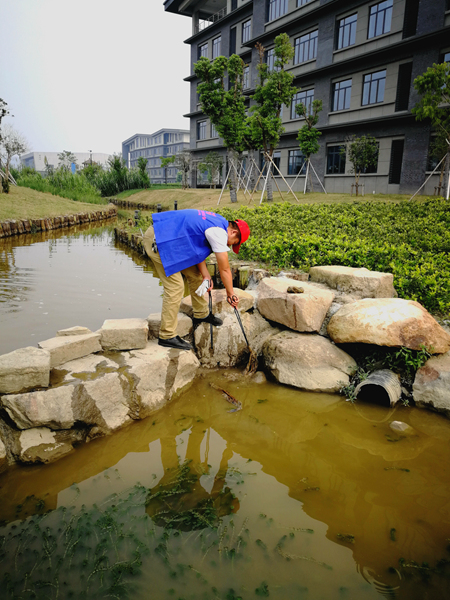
(296, 496)
(61, 278)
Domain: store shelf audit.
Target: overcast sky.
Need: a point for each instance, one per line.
(88, 74)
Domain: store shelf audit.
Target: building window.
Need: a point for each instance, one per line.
(277, 8)
(306, 47)
(246, 31)
(380, 18)
(214, 133)
(216, 45)
(395, 164)
(403, 86)
(373, 87)
(246, 77)
(203, 50)
(270, 60)
(342, 91)
(232, 40)
(346, 35)
(303, 97)
(446, 57)
(276, 157)
(201, 130)
(302, 2)
(296, 162)
(335, 160)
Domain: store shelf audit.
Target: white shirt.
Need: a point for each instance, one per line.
(217, 238)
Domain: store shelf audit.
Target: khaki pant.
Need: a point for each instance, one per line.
(174, 289)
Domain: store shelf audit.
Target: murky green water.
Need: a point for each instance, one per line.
(61, 278)
(295, 496)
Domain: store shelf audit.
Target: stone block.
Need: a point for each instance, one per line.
(103, 403)
(24, 369)
(49, 408)
(124, 334)
(39, 445)
(184, 327)
(77, 330)
(65, 348)
(357, 281)
(158, 373)
(304, 312)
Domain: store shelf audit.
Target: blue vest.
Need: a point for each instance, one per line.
(180, 237)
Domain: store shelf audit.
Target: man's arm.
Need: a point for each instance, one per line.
(227, 277)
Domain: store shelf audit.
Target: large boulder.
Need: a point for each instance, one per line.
(303, 311)
(24, 369)
(50, 408)
(65, 348)
(219, 302)
(103, 403)
(229, 346)
(357, 281)
(388, 322)
(432, 384)
(124, 334)
(157, 373)
(308, 362)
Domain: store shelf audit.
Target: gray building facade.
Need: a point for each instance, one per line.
(155, 146)
(359, 57)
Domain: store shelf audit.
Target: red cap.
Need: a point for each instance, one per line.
(245, 233)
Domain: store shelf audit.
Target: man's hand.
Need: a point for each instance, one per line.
(233, 300)
(210, 281)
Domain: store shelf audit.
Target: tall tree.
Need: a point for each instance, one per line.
(12, 144)
(142, 168)
(4, 112)
(275, 88)
(165, 162)
(212, 165)
(434, 88)
(308, 136)
(362, 152)
(66, 159)
(225, 107)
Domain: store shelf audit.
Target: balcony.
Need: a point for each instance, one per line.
(204, 23)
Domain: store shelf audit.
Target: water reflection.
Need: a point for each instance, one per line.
(350, 491)
(61, 278)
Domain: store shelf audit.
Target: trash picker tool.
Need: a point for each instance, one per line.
(252, 364)
(211, 325)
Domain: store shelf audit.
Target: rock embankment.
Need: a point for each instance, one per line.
(16, 227)
(81, 384)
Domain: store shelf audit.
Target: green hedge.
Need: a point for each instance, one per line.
(410, 239)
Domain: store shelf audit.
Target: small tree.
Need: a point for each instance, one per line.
(12, 144)
(165, 162)
(362, 152)
(182, 162)
(66, 159)
(142, 168)
(212, 164)
(275, 88)
(4, 112)
(225, 108)
(434, 87)
(308, 135)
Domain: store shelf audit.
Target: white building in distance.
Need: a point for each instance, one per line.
(36, 160)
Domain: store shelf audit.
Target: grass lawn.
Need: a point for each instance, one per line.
(207, 199)
(25, 203)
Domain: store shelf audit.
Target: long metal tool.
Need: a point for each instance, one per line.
(238, 317)
(211, 325)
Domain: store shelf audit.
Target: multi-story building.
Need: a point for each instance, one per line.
(154, 147)
(359, 57)
(37, 160)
